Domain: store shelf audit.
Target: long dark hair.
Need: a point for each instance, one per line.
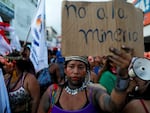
(23, 65)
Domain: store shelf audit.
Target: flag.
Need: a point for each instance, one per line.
(39, 50)
(1, 19)
(14, 43)
(4, 27)
(5, 47)
(4, 99)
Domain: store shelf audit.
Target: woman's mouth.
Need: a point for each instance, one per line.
(75, 78)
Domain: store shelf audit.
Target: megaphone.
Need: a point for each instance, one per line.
(140, 68)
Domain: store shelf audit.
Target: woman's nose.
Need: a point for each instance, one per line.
(76, 70)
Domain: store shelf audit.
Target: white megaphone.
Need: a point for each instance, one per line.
(140, 67)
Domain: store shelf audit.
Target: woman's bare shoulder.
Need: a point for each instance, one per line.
(30, 77)
(134, 106)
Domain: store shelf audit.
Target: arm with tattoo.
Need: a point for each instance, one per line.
(106, 102)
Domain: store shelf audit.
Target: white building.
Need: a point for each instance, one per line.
(24, 13)
(52, 38)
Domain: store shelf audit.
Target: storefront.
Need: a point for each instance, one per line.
(145, 6)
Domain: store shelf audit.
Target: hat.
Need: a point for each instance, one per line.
(78, 58)
(15, 55)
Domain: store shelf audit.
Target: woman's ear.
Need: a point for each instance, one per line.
(65, 70)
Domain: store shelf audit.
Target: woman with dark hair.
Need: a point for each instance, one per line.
(23, 88)
(78, 94)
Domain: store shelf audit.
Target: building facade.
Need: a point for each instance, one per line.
(24, 13)
(19, 14)
(6, 10)
(53, 40)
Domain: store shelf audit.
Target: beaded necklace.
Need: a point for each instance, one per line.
(75, 91)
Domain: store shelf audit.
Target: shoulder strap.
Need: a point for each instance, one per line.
(9, 89)
(23, 78)
(8, 82)
(91, 90)
(143, 104)
(55, 87)
(52, 96)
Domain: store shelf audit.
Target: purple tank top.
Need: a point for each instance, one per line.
(88, 109)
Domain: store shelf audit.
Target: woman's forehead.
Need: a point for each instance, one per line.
(76, 62)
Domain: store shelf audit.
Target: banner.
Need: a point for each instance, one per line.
(145, 6)
(38, 53)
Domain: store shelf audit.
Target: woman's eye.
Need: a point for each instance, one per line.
(81, 67)
(71, 67)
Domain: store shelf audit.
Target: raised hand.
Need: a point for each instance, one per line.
(122, 59)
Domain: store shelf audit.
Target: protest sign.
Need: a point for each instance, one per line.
(90, 28)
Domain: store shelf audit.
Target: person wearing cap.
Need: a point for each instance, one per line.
(78, 94)
(137, 74)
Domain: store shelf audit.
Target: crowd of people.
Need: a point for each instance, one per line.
(79, 83)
